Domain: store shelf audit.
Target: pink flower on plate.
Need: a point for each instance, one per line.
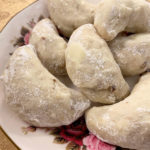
(75, 132)
(93, 143)
(26, 38)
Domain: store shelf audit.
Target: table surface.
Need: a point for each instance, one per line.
(8, 8)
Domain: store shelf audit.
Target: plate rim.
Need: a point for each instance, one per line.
(16, 15)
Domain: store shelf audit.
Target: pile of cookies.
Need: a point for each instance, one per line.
(103, 43)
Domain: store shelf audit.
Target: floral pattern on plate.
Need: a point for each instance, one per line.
(76, 136)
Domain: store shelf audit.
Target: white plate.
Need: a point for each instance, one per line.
(10, 123)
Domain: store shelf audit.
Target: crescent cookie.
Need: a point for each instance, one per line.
(92, 68)
(36, 95)
(50, 46)
(115, 16)
(132, 53)
(127, 123)
(70, 14)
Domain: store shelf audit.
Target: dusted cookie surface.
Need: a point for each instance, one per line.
(132, 53)
(92, 68)
(115, 16)
(112, 17)
(127, 123)
(140, 16)
(70, 14)
(36, 95)
(50, 46)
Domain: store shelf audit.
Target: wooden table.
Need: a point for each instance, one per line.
(8, 8)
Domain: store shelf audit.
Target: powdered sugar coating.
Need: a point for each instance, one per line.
(36, 95)
(111, 17)
(132, 53)
(127, 123)
(115, 16)
(140, 9)
(50, 46)
(70, 14)
(92, 68)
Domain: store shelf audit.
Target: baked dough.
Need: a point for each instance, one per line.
(127, 123)
(132, 53)
(92, 68)
(112, 17)
(140, 17)
(50, 46)
(36, 95)
(70, 14)
(115, 16)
